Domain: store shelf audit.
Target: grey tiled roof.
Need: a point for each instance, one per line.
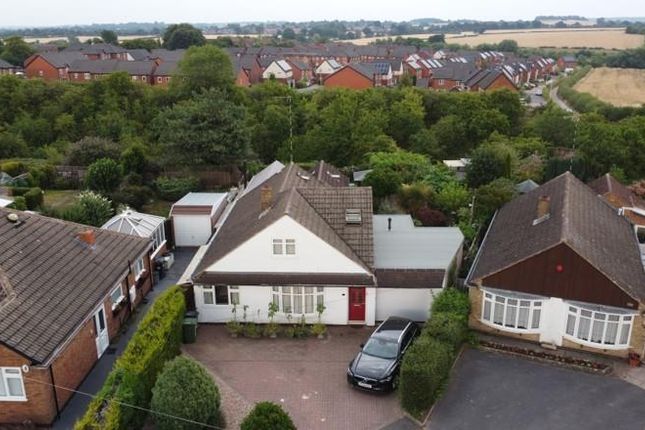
(111, 66)
(6, 65)
(57, 280)
(60, 59)
(315, 204)
(579, 219)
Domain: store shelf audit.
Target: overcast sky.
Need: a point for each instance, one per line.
(35, 13)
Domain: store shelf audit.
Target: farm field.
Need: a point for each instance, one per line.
(605, 38)
(619, 87)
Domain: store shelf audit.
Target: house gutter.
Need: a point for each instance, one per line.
(470, 272)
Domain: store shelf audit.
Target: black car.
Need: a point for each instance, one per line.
(376, 367)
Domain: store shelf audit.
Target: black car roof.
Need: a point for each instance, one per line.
(392, 327)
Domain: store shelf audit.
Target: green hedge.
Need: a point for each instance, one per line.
(423, 372)
(34, 197)
(172, 189)
(427, 363)
(156, 341)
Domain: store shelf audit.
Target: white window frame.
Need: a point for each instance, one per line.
(233, 295)
(4, 372)
(119, 299)
(512, 305)
(87, 76)
(158, 237)
(598, 315)
(283, 247)
(139, 268)
(286, 298)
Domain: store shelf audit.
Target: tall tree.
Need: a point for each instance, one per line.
(207, 129)
(203, 68)
(109, 36)
(16, 50)
(183, 36)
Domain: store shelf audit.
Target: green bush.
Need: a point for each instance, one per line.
(426, 366)
(13, 168)
(451, 300)
(156, 341)
(43, 176)
(185, 389)
(448, 327)
(267, 416)
(135, 196)
(19, 203)
(34, 198)
(19, 191)
(104, 175)
(172, 189)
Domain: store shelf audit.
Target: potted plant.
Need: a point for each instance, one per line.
(234, 327)
(271, 329)
(290, 331)
(634, 359)
(319, 329)
(301, 329)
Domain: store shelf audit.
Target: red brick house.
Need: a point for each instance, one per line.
(302, 72)
(50, 66)
(65, 292)
(489, 80)
(452, 76)
(567, 62)
(88, 70)
(350, 76)
(623, 200)
(100, 51)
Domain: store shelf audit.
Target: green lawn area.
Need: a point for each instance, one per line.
(60, 199)
(157, 207)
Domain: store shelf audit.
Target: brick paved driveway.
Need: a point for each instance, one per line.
(307, 377)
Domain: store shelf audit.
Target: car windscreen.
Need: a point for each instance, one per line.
(381, 348)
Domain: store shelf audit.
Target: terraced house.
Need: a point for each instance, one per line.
(65, 292)
(301, 239)
(560, 266)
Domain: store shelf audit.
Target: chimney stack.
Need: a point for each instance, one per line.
(87, 237)
(543, 206)
(266, 197)
(389, 224)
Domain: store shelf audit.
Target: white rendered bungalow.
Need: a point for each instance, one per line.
(299, 240)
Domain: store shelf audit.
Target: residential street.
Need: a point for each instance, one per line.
(494, 391)
(92, 384)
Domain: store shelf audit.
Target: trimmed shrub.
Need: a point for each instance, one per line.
(448, 327)
(172, 189)
(13, 168)
(451, 300)
(185, 389)
(157, 340)
(19, 203)
(34, 198)
(267, 416)
(426, 366)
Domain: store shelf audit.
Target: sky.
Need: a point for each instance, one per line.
(38, 13)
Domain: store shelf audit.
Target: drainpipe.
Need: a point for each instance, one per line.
(51, 376)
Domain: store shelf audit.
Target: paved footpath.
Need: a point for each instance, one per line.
(77, 405)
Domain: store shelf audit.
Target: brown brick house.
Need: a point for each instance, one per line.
(560, 266)
(88, 70)
(65, 291)
(489, 80)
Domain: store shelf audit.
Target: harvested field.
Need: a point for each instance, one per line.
(604, 38)
(619, 87)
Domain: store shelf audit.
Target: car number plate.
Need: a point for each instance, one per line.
(364, 385)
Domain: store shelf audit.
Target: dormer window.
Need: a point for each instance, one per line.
(353, 216)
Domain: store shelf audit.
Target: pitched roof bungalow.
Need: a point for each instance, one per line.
(8, 68)
(87, 70)
(300, 239)
(50, 66)
(489, 80)
(361, 75)
(65, 291)
(452, 76)
(559, 266)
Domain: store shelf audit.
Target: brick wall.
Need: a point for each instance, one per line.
(39, 68)
(39, 407)
(348, 78)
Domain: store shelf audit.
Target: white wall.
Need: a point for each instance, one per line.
(413, 303)
(276, 71)
(192, 230)
(313, 255)
(257, 299)
(324, 69)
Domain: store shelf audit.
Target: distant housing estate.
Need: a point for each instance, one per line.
(331, 65)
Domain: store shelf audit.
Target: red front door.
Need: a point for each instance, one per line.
(356, 303)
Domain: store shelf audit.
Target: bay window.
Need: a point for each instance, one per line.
(298, 300)
(511, 311)
(11, 384)
(599, 325)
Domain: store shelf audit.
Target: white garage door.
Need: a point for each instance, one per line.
(413, 303)
(191, 230)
